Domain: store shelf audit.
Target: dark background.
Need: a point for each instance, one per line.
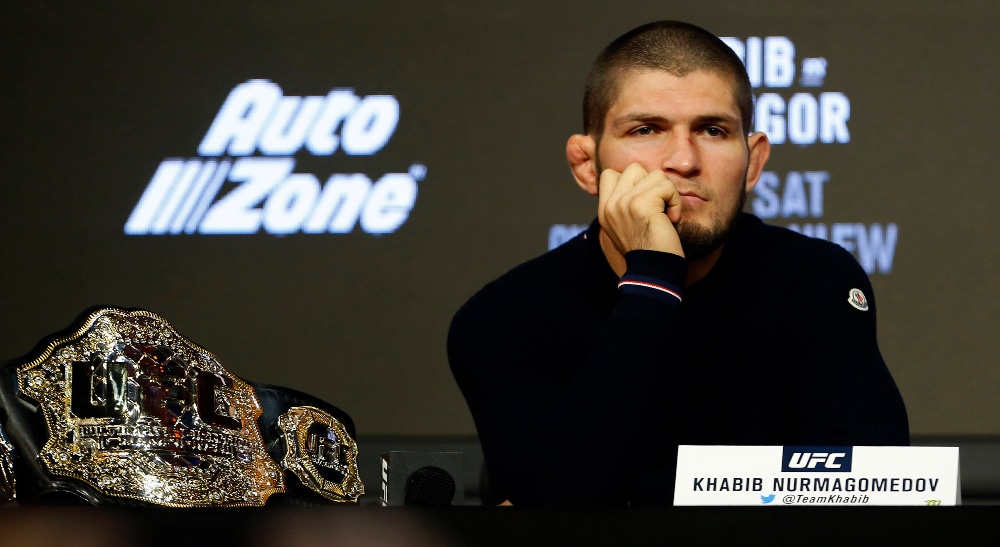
(97, 95)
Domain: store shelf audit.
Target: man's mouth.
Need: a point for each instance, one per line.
(691, 195)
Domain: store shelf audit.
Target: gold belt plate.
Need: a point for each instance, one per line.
(321, 453)
(138, 411)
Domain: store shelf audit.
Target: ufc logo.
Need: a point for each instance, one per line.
(148, 381)
(817, 458)
(324, 449)
(809, 460)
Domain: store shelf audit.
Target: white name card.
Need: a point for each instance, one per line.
(822, 476)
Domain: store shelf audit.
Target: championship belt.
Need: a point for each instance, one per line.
(8, 482)
(122, 409)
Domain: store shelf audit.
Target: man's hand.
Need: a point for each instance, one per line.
(638, 209)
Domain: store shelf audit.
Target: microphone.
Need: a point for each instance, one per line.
(421, 479)
(429, 486)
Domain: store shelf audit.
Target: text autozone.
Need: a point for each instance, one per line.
(251, 143)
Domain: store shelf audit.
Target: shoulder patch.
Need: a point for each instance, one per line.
(857, 299)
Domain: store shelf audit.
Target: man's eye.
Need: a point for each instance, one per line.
(715, 132)
(644, 130)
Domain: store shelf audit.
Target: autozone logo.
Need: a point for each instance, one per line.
(817, 458)
(244, 179)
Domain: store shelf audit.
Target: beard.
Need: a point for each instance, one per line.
(700, 241)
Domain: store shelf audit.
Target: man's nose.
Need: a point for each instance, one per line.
(681, 155)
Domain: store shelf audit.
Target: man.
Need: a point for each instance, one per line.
(676, 318)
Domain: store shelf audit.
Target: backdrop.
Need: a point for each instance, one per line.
(311, 189)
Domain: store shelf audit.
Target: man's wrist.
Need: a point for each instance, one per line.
(654, 274)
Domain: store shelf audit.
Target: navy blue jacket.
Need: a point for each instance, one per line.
(581, 392)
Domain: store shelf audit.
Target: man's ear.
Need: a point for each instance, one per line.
(581, 153)
(760, 151)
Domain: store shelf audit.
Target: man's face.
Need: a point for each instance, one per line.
(690, 128)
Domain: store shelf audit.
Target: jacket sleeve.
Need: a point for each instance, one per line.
(844, 393)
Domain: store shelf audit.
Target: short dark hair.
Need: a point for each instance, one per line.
(674, 46)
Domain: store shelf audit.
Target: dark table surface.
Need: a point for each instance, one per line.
(373, 525)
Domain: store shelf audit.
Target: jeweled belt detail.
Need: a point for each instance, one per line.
(139, 412)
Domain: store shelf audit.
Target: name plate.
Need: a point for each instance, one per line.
(822, 476)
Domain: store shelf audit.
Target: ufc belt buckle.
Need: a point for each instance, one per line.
(137, 411)
(321, 453)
